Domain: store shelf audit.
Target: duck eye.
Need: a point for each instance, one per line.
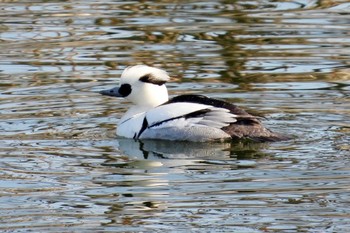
(124, 90)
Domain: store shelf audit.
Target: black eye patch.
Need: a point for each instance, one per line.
(149, 78)
(124, 90)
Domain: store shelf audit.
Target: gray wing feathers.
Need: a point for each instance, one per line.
(217, 118)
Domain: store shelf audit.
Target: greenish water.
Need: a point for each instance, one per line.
(62, 169)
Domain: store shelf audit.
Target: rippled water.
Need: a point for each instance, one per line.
(62, 169)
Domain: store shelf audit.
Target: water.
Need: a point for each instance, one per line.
(63, 170)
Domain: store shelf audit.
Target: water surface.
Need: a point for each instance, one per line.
(62, 169)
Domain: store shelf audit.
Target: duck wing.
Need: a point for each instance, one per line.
(180, 120)
(241, 115)
(191, 113)
(245, 126)
(201, 99)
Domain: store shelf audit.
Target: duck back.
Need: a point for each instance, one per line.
(247, 126)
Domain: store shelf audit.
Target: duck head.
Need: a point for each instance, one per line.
(142, 85)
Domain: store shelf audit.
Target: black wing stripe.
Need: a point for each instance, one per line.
(186, 116)
(143, 128)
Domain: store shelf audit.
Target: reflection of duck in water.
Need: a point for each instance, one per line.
(185, 117)
(161, 149)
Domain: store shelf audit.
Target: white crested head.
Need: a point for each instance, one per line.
(134, 73)
(144, 85)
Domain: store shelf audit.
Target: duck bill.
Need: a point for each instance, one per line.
(111, 92)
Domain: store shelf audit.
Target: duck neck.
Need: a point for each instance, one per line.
(153, 97)
(150, 97)
(135, 111)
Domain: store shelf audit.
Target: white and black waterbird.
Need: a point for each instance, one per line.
(184, 117)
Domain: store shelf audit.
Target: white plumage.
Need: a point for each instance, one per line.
(186, 117)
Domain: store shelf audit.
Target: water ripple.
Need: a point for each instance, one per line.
(63, 169)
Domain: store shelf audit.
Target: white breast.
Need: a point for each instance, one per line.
(130, 126)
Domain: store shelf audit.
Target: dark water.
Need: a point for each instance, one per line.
(63, 170)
